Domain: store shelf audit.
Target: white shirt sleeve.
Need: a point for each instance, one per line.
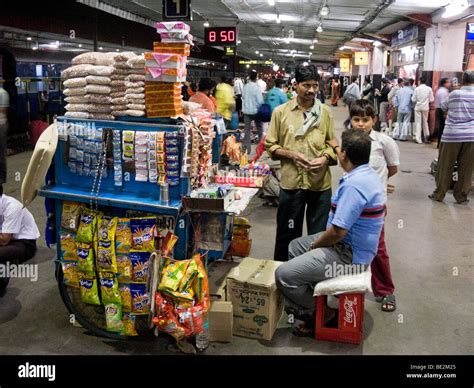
(391, 152)
(12, 217)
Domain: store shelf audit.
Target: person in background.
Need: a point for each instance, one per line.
(18, 233)
(252, 98)
(383, 101)
(238, 91)
(422, 96)
(350, 238)
(4, 105)
(441, 95)
(293, 88)
(403, 103)
(384, 159)
(262, 85)
(411, 82)
(457, 143)
(393, 109)
(205, 89)
(297, 137)
(225, 99)
(367, 90)
(351, 94)
(36, 128)
(335, 91)
(275, 96)
(271, 188)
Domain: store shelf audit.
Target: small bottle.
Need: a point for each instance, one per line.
(202, 339)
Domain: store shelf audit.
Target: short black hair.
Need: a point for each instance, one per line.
(362, 108)
(400, 81)
(443, 81)
(423, 79)
(354, 78)
(357, 145)
(279, 82)
(406, 82)
(411, 81)
(306, 73)
(1, 190)
(468, 77)
(206, 84)
(253, 75)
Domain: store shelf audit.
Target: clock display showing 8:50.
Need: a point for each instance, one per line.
(220, 36)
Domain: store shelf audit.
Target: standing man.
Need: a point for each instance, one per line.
(252, 98)
(441, 95)
(225, 99)
(262, 85)
(351, 94)
(403, 103)
(422, 96)
(297, 136)
(335, 91)
(238, 91)
(393, 109)
(275, 96)
(205, 88)
(457, 143)
(4, 105)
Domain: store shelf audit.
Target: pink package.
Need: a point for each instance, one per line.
(171, 27)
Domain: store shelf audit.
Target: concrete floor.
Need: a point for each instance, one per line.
(435, 306)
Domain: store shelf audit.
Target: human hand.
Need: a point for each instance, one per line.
(319, 163)
(333, 143)
(390, 188)
(300, 160)
(313, 245)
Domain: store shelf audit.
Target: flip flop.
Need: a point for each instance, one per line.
(388, 303)
(304, 331)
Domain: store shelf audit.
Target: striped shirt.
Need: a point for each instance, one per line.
(459, 125)
(359, 207)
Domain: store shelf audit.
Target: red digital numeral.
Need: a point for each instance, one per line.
(212, 36)
(231, 36)
(223, 36)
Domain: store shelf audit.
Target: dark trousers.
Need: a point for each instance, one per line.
(17, 251)
(440, 121)
(3, 153)
(382, 283)
(290, 217)
(449, 154)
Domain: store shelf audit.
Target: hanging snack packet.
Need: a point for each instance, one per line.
(126, 296)
(129, 325)
(139, 266)
(124, 267)
(189, 276)
(89, 290)
(140, 299)
(87, 226)
(105, 244)
(143, 233)
(70, 274)
(201, 283)
(168, 244)
(70, 215)
(85, 257)
(109, 288)
(186, 295)
(166, 320)
(123, 236)
(172, 275)
(113, 317)
(68, 247)
(106, 227)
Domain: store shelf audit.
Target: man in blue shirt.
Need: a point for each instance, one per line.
(351, 238)
(252, 98)
(402, 101)
(276, 97)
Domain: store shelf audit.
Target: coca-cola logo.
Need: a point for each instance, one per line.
(349, 312)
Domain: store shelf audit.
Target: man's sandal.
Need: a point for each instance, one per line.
(304, 330)
(388, 303)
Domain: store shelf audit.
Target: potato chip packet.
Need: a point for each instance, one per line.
(87, 226)
(85, 257)
(113, 317)
(140, 299)
(172, 275)
(68, 246)
(139, 262)
(168, 244)
(124, 267)
(186, 295)
(129, 325)
(123, 236)
(70, 274)
(71, 213)
(125, 296)
(89, 290)
(109, 288)
(143, 230)
(189, 276)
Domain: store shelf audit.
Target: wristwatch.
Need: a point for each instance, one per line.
(327, 157)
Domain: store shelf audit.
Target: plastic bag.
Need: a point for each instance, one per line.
(75, 82)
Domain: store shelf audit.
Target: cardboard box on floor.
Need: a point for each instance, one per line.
(220, 321)
(257, 304)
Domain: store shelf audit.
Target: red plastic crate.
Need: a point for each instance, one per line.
(350, 319)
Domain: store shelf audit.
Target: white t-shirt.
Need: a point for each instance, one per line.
(17, 220)
(384, 153)
(4, 103)
(422, 96)
(262, 84)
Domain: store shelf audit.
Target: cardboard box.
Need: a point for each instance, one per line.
(220, 322)
(209, 204)
(257, 304)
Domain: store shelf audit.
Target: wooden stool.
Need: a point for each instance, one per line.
(350, 319)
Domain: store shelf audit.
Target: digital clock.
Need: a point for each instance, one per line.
(220, 36)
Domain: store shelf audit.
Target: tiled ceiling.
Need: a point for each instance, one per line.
(259, 31)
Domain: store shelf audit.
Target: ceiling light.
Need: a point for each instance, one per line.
(311, 47)
(377, 43)
(315, 40)
(261, 54)
(34, 48)
(455, 7)
(117, 50)
(79, 45)
(310, 53)
(206, 23)
(324, 11)
(247, 66)
(101, 48)
(257, 52)
(271, 3)
(278, 21)
(29, 38)
(276, 67)
(239, 42)
(305, 63)
(320, 28)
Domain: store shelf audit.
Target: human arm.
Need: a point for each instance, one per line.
(392, 170)
(330, 237)
(5, 239)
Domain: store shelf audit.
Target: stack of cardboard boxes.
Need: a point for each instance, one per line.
(165, 69)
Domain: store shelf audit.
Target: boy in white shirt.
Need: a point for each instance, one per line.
(18, 233)
(384, 159)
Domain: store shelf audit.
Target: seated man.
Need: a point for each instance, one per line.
(18, 233)
(351, 236)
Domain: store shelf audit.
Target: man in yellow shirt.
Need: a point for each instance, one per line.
(298, 135)
(225, 99)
